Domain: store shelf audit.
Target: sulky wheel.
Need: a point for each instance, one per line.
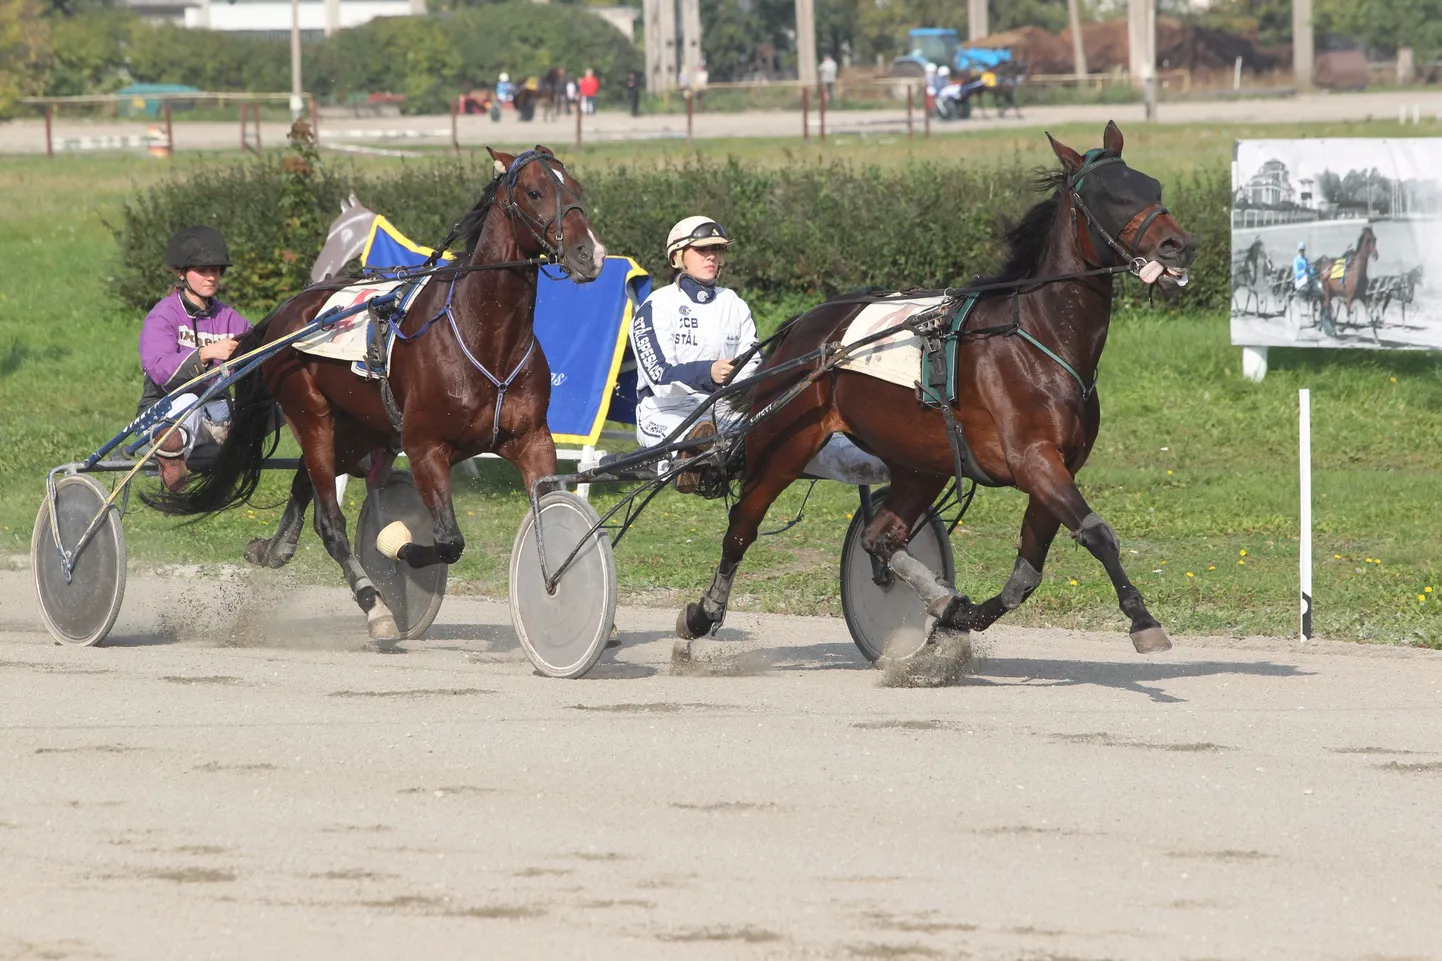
(413, 594)
(565, 632)
(889, 620)
(83, 610)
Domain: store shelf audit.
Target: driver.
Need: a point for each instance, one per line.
(1302, 269)
(686, 339)
(183, 335)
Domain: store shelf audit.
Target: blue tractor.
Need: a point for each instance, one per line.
(971, 69)
(940, 47)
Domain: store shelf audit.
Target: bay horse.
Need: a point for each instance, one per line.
(1353, 283)
(1027, 396)
(476, 383)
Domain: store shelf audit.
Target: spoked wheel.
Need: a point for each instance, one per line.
(83, 610)
(413, 594)
(563, 633)
(888, 619)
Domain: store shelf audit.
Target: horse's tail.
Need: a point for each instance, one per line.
(235, 472)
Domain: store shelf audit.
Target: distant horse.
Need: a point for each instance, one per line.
(478, 382)
(345, 239)
(1248, 271)
(1353, 282)
(1027, 400)
(1008, 76)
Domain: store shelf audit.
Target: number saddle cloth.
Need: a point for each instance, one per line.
(363, 338)
(923, 361)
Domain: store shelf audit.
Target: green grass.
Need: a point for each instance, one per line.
(1194, 465)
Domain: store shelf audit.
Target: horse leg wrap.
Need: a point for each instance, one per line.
(922, 579)
(356, 575)
(713, 602)
(1024, 579)
(1096, 535)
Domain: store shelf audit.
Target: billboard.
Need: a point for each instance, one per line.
(1337, 243)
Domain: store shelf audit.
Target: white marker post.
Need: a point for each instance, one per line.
(1304, 423)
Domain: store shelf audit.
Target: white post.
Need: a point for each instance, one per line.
(806, 43)
(1237, 75)
(297, 99)
(1254, 363)
(332, 17)
(1304, 400)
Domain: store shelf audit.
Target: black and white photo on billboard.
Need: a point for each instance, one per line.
(1335, 243)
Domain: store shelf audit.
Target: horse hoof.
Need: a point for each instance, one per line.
(1151, 640)
(381, 625)
(693, 622)
(392, 538)
(256, 551)
(956, 615)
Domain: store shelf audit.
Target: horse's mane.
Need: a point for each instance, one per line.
(1026, 239)
(474, 221)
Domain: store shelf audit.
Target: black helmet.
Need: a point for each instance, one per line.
(197, 247)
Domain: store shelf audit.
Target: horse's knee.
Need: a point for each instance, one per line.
(1097, 536)
(449, 551)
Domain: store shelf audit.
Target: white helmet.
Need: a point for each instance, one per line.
(944, 71)
(694, 232)
(505, 78)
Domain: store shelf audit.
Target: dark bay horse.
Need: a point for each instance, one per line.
(1353, 284)
(1027, 397)
(446, 383)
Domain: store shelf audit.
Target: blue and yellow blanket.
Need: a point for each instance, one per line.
(582, 329)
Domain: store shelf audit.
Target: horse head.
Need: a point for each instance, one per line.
(1121, 208)
(345, 239)
(1367, 244)
(538, 191)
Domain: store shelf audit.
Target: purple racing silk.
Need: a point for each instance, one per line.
(171, 338)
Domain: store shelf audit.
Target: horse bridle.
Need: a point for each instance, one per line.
(540, 228)
(1138, 225)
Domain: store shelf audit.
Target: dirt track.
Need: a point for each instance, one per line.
(245, 787)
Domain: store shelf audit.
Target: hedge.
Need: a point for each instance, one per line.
(802, 231)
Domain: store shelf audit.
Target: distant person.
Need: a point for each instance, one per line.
(826, 73)
(633, 93)
(573, 95)
(505, 90)
(1302, 272)
(184, 335)
(703, 77)
(589, 86)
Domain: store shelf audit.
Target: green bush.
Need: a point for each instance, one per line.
(804, 232)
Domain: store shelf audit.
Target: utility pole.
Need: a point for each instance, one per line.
(976, 19)
(332, 17)
(1078, 49)
(691, 39)
(297, 99)
(1302, 43)
(806, 42)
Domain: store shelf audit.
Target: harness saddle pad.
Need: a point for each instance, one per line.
(350, 337)
(896, 359)
(1338, 271)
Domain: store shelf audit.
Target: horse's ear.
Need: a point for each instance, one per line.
(503, 160)
(1112, 138)
(1071, 161)
(544, 150)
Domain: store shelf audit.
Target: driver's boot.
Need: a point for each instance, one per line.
(687, 482)
(170, 458)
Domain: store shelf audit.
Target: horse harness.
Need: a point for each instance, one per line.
(941, 328)
(386, 322)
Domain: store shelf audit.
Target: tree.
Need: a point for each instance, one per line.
(24, 52)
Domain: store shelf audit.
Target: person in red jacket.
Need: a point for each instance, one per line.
(589, 86)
